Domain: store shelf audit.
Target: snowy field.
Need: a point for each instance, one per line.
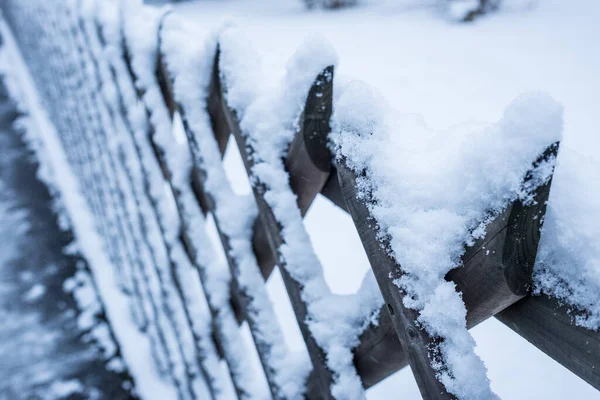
(443, 76)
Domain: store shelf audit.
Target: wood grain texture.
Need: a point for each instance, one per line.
(308, 161)
(379, 353)
(524, 229)
(549, 326)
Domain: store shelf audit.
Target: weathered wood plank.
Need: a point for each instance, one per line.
(321, 378)
(214, 107)
(497, 270)
(219, 317)
(549, 326)
(308, 161)
(332, 190)
(414, 341)
(379, 353)
(524, 229)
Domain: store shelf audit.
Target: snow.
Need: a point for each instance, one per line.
(64, 389)
(35, 293)
(177, 162)
(429, 194)
(568, 263)
(159, 214)
(173, 329)
(458, 10)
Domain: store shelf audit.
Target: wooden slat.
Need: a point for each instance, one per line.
(320, 387)
(333, 192)
(487, 291)
(379, 353)
(531, 317)
(523, 231)
(506, 255)
(308, 162)
(414, 341)
(549, 326)
(489, 282)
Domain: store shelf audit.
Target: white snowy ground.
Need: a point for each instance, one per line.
(449, 74)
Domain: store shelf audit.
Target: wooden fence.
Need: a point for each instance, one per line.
(497, 285)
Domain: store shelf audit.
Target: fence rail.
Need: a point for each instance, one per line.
(114, 111)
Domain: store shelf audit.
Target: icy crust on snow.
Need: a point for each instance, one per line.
(57, 173)
(432, 193)
(191, 68)
(568, 261)
(268, 113)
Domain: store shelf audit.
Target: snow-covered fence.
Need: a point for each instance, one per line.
(114, 81)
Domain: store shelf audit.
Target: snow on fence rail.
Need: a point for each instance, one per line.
(113, 79)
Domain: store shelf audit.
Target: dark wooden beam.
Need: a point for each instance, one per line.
(541, 320)
(549, 326)
(415, 342)
(332, 190)
(379, 353)
(308, 161)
